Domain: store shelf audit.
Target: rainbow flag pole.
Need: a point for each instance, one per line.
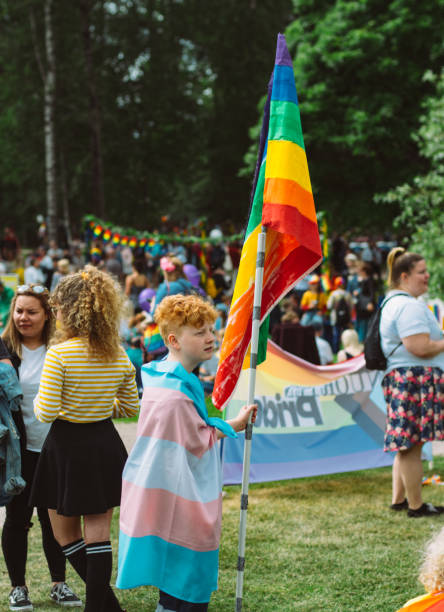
(281, 246)
(255, 328)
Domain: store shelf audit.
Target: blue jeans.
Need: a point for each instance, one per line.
(336, 337)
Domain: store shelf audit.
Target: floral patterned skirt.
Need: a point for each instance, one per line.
(415, 406)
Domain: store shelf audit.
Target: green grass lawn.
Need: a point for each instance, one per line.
(316, 544)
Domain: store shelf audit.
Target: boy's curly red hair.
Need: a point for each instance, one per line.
(176, 311)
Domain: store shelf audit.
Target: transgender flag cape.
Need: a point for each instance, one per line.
(170, 514)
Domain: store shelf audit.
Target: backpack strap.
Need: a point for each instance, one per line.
(387, 299)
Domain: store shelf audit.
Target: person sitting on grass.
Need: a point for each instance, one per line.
(171, 507)
(432, 577)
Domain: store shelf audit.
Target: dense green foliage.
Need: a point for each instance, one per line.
(358, 69)
(421, 200)
(154, 101)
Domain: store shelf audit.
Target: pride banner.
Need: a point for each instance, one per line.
(311, 420)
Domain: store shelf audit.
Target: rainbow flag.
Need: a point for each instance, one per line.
(282, 200)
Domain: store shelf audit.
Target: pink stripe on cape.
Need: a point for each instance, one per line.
(172, 480)
(177, 422)
(170, 517)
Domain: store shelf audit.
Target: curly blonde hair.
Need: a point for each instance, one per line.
(432, 569)
(90, 302)
(176, 311)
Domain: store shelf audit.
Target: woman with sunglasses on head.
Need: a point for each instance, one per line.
(87, 379)
(26, 337)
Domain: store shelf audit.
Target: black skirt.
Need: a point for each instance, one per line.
(80, 468)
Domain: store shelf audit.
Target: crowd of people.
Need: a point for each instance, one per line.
(341, 296)
(78, 367)
(325, 318)
(146, 275)
(72, 456)
(64, 341)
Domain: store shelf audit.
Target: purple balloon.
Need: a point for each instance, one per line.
(192, 274)
(145, 298)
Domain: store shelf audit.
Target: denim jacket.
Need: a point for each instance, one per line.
(11, 481)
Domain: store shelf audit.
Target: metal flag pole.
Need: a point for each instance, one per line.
(257, 300)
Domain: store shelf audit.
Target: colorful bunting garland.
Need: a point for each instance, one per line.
(133, 238)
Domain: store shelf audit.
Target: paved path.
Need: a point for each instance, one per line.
(127, 432)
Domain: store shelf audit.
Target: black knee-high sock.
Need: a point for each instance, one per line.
(75, 552)
(99, 595)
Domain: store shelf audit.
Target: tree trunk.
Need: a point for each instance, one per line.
(94, 112)
(49, 125)
(65, 200)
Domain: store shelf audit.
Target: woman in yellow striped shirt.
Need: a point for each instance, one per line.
(87, 379)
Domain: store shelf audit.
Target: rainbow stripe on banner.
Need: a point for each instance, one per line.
(311, 420)
(282, 200)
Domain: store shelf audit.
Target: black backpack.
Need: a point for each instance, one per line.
(374, 357)
(342, 312)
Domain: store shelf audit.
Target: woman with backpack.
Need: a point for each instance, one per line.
(413, 343)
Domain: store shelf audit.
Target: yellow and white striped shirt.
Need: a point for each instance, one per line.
(79, 389)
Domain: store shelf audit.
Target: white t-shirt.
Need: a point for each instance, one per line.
(34, 275)
(324, 350)
(30, 372)
(405, 316)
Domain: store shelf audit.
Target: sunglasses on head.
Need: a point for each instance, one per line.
(37, 289)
